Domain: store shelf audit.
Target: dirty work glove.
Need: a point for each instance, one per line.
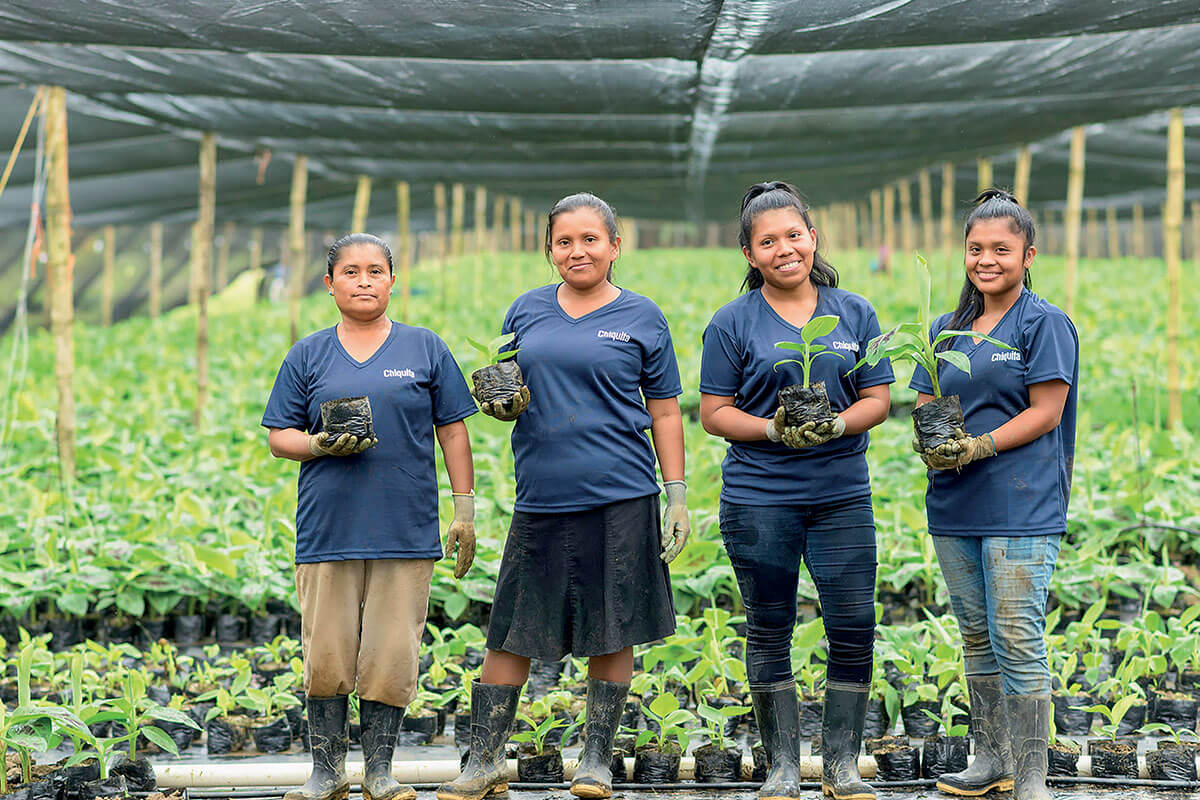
(507, 410)
(960, 451)
(815, 433)
(320, 444)
(676, 526)
(779, 431)
(461, 533)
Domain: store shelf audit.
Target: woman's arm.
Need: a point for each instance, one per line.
(721, 418)
(1046, 402)
(870, 409)
(456, 452)
(289, 443)
(666, 431)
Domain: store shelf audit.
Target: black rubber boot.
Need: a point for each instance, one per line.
(1029, 732)
(329, 735)
(841, 738)
(605, 702)
(493, 707)
(777, 711)
(993, 764)
(380, 724)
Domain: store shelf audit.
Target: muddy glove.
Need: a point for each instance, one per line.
(812, 434)
(507, 410)
(779, 431)
(461, 533)
(960, 451)
(320, 444)
(676, 526)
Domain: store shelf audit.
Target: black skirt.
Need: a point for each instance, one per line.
(588, 583)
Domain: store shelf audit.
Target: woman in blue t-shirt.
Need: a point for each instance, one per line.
(367, 511)
(793, 493)
(997, 496)
(584, 569)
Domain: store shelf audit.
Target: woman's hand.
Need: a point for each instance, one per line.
(959, 451)
(809, 434)
(460, 535)
(320, 444)
(507, 410)
(676, 526)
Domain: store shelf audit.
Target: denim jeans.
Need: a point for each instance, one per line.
(998, 587)
(837, 542)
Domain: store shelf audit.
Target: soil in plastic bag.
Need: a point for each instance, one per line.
(418, 730)
(1171, 763)
(631, 715)
(462, 730)
(546, 768)
(189, 628)
(810, 717)
(43, 790)
(805, 404)
(159, 694)
(265, 627)
(1063, 760)
(1113, 759)
(151, 630)
(274, 737)
(117, 631)
(622, 749)
(230, 628)
(943, 754)
(934, 422)
(916, 723)
(295, 718)
(877, 722)
(71, 779)
(67, 633)
(112, 786)
(180, 734)
(224, 738)
(497, 381)
(651, 765)
(718, 766)
(138, 774)
(1069, 721)
(1175, 709)
(761, 765)
(350, 415)
(898, 762)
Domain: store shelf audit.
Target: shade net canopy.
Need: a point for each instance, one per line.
(667, 109)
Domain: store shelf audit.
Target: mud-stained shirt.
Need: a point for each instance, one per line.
(739, 360)
(1023, 491)
(381, 503)
(582, 442)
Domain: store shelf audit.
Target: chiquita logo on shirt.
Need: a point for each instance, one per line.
(399, 373)
(1006, 355)
(616, 336)
(851, 346)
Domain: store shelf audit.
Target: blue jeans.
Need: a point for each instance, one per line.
(998, 587)
(837, 541)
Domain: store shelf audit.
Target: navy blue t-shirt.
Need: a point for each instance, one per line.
(739, 354)
(1023, 491)
(381, 503)
(582, 442)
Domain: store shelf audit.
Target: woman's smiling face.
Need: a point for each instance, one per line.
(996, 257)
(782, 246)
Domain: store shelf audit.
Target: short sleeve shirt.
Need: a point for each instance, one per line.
(738, 361)
(381, 503)
(582, 442)
(1023, 491)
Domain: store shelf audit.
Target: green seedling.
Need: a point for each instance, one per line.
(491, 350)
(1114, 714)
(715, 720)
(909, 341)
(540, 730)
(270, 700)
(137, 713)
(814, 329)
(1177, 734)
(665, 711)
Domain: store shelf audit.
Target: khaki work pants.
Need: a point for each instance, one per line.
(362, 623)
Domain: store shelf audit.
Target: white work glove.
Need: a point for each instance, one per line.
(676, 527)
(319, 444)
(461, 533)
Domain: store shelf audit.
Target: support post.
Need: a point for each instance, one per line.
(889, 221)
(514, 223)
(530, 230)
(60, 269)
(479, 241)
(1093, 233)
(629, 241)
(156, 257)
(458, 202)
(106, 281)
(202, 265)
(1072, 213)
(1139, 231)
(1173, 254)
(297, 252)
(228, 231)
(404, 244)
(876, 219)
(948, 218)
(1196, 232)
(1113, 231)
(907, 242)
(1021, 175)
(983, 173)
(498, 206)
(362, 204)
(925, 198)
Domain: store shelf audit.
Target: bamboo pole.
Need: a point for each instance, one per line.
(983, 173)
(480, 240)
(948, 219)
(1093, 233)
(156, 257)
(202, 264)
(530, 230)
(1072, 213)
(60, 270)
(925, 199)
(439, 220)
(228, 231)
(296, 242)
(1196, 232)
(514, 223)
(907, 239)
(1173, 254)
(404, 244)
(629, 242)
(106, 280)
(1113, 232)
(1021, 175)
(256, 249)
(498, 206)
(458, 202)
(852, 226)
(889, 221)
(876, 219)
(362, 204)
(1139, 231)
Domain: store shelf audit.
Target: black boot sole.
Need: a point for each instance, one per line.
(1002, 785)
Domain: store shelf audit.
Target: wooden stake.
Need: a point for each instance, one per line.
(479, 241)
(1113, 231)
(907, 239)
(202, 265)
(1021, 175)
(530, 230)
(889, 221)
(458, 202)
(629, 238)
(362, 204)
(983, 173)
(514, 223)
(297, 254)
(1093, 233)
(60, 270)
(156, 257)
(106, 281)
(1196, 232)
(1052, 243)
(1072, 213)
(439, 219)
(876, 219)
(256, 249)
(498, 206)
(1173, 254)
(1139, 231)
(925, 199)
(948, 219)
(404, 244)
(228, 231)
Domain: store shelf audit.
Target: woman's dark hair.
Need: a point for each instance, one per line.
(768, 196)
(990, 204)
(356, 238)
(574, 202)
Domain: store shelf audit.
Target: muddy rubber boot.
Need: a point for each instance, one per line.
(329, 736)
(1029, 731)
(993, 764)
(493, 707)
(605, 702)
(778, 714)
(380, 724)
(841, 737)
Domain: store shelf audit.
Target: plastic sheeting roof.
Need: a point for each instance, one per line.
(666, 109)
